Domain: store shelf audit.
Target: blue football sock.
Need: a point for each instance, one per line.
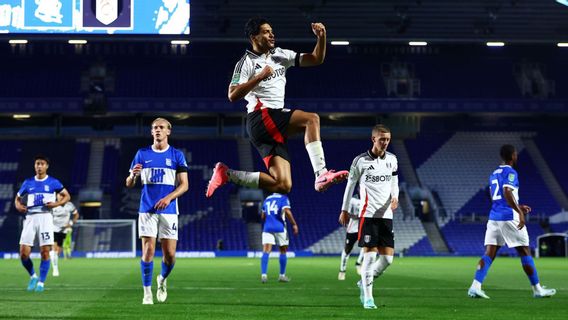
(530, 269)
(166, 269)
(43, 270)
(481, 273)
(29, 265)
(264, 263)
(147, 269)
(283, 261)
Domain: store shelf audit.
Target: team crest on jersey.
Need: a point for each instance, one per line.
(168, 162)
(367, 238)
(511, 177)
(46, 188)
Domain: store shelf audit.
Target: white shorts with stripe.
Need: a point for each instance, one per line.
(40, 224)
(499, 233)
(164, 226)
(275, 238)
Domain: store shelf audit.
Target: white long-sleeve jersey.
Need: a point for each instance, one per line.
(378, 184)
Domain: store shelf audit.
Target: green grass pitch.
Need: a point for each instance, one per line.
(230, 288)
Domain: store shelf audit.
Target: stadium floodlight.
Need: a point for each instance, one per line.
(418, 43)
(17, 41)
(77, 41)
(339, 43)
(182, 42)
(564, 2)
(495, 44)
(562, 44)
(21, 116)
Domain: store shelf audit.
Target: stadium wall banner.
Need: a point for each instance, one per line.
(179, 254)
(130, 17)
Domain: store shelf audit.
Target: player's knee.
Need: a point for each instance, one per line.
(284, 187)
(313, 119)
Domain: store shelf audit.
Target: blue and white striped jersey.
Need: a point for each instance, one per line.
(36, 193)
(273, 208)
(502, 177)
(158, 176)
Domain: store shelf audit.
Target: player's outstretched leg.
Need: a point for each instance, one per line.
(383, 262)
(530, 269)
(480, 274)
(43, 272)
(264, 267)
(54, 257)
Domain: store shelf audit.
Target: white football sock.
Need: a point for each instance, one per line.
(367, 274)
(317, 158)
(360, 257)
(147, 290)
(344, 259)
(382, 264)
(244, 178)
(54, 257)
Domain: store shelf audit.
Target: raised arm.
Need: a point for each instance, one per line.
(239, 91)
(317, 56)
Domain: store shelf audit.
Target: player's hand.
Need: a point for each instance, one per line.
(51, 205)
(162, 204)
(394, 203)
(136, 170)
(21, 208)
(344, 218)
(318, 29)
(521, 224)
(526, 209)
(295, 229)
(265, 72)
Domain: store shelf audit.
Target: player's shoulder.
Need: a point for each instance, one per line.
(390, 155)
(362, 156)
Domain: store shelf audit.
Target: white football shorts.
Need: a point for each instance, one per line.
(275, 238)
(40, 224)
(165, 226)
(499, 233)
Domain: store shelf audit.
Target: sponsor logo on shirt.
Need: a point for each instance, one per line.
(381, 178)
(277, 73)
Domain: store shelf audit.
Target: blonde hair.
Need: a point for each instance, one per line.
(380, 128)
(164, 120)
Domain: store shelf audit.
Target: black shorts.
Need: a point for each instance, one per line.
(376, 232)
(351, 239)
(59, 237)
(267, 131)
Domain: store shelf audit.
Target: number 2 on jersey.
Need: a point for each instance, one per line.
(496, 195)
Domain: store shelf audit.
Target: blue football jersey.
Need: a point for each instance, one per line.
(273, 208)
(158, 176)
(503, 176)
(36, 193)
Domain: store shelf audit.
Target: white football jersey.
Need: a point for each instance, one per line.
(62, 216)
(354, 208)
(378, 184)
(269, 93)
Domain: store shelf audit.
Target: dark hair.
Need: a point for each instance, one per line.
(507, 152)
(41, 157)
(252, 27)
